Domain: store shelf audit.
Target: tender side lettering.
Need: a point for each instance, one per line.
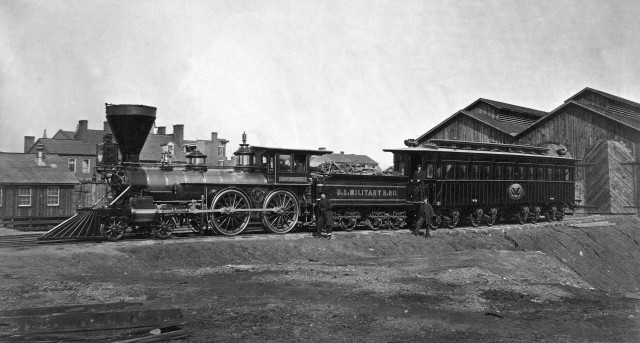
(292, 179)
(380, 193)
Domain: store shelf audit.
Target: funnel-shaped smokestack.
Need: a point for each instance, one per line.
(130, 125)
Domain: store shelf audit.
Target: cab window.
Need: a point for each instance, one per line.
(284, 163)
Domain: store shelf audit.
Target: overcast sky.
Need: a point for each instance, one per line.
(352, 76)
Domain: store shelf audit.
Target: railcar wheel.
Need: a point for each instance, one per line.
(165, 229)
(474, 217)
(453, 220)
(113, 229)
(348, 224)
(536, 215)
(284, 216)
(374, 222)
(397, 222)
(232, 220)
(435, 222)
(493, 217)
(559, 214)
(522, 215)
(550, 214)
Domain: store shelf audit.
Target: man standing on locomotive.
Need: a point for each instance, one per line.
(426, 216)
(324, 222)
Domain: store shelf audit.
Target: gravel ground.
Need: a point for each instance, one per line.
(573, 281)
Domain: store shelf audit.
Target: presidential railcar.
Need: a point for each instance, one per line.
(486, 181)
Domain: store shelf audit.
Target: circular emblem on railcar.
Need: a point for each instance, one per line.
(515, 191)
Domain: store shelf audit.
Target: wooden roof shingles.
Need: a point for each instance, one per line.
(18, 168)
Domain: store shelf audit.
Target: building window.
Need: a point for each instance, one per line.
(53, 196)
(86, 165)
(221, 162)
(189, 148)
(24, 196)
(72, 165)
(221, 151)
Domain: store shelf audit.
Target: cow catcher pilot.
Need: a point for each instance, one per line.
(324, 221)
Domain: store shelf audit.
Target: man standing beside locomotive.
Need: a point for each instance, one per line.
(426, 217)
(324, 222)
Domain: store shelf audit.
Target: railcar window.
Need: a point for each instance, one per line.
(530, 173)
(518, 173)
(271, 163)
(449, 172)
(462, 171)
(559, 176)
(438, 172)
(429, 171)
(550, 174)
(508, 172)
(497, 172)
(475, 171)
(567, 176)
(485, 172)
(540, 173)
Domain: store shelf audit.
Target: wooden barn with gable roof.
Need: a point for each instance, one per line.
(603, 131)
(600, 129)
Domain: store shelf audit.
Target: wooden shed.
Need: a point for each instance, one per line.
(603, 131)
(35, 190)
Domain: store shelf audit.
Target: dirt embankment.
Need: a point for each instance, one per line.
(553, 282)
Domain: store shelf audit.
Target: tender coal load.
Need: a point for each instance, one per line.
(130, 125)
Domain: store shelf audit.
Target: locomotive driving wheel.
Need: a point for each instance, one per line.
(113, 228)
(165, 229)
(282, 214)
(232, 219)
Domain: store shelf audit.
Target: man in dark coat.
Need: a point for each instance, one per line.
(419, 175)
(426, 214)
(324, 221)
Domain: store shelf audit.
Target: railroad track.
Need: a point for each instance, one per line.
(254, 231)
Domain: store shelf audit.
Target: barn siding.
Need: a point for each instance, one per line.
(465, 128)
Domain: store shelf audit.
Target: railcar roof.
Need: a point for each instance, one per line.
(289, 151)
(423, 149)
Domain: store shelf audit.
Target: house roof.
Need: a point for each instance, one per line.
(151, 150)
(622, 119)
(65, 147)
(606, 95)
(18, 168)
(509, 107)
(61, 134)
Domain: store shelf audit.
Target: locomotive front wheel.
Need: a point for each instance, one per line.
(165, 229)
(232, 220)
(284, 216)
(113, 229)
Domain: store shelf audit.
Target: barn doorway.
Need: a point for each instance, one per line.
(610, 180)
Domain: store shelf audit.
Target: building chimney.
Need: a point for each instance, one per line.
(40, 149)
(341, 152)
(28, 143)
(178, 134)
(106, 127)
(81, 133)
(162, 130)
(214, 136)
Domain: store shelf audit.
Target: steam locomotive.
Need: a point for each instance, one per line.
(278, 186)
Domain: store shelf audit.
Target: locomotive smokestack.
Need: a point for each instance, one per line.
(130, 125)
(162, 130)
